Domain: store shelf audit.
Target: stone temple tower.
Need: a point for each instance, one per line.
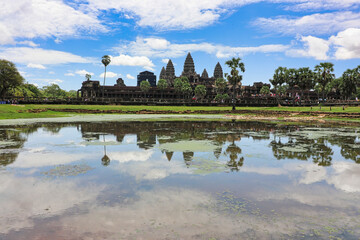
(162, 73)
(218, 72)
(204, 74)
(189, 67)
(170, 73)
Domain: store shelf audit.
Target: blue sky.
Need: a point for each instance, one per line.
(59, 41)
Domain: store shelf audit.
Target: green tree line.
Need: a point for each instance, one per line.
(322, 80)
(12, 84)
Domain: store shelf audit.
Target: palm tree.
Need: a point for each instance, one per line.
(106, 61)
(306, 79)
(234, 77)
(278, 80)
(324, 75)
(162, 85)
(349, 82)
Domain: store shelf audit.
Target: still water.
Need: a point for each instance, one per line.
(179, 180)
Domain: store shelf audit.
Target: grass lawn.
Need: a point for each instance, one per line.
(21, 111)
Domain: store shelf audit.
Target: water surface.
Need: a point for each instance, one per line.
(179, 180)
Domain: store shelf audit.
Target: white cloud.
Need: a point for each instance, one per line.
(313, 47)
(83, 72)
(69, 74)
(46, 81)
(135, 156)
(128, 76)
(171, 15)
(38, 66)
(151, 47)
(165, 60)
(344, 45)
(301, 5)
(109, 75)
(315, 24)
(28, 43)
(126, 60)
(26, 55)
(347, 44)
(43, 19)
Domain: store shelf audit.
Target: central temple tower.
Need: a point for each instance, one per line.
(189, 66)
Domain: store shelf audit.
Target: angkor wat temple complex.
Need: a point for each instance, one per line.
(92, 90)
(190, 73)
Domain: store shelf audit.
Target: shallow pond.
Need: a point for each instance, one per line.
(179, 180)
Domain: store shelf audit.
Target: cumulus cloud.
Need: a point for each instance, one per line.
(126, 60)
(316, 24)
(171, 15)
(69, 74)
(26, 55)
(344, 45)
(160, 47)
(313, 47)
(301, 5)
(128, 76)
(38, 66)
(83, 72)
(46, 81)
(109, 75)
(347, 44)
(43, 19)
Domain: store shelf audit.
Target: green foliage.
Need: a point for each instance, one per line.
(265, 90)
(87, 77)
(177, 85)
(162, 84)
(54, 91)
(306, 78)
(292, 77)
(235, 65)
(183, 86)
(279, 77)
(324, 75)
(200, 91)
(186, 88)
(10, 77)
(145, 86)
(220, 85)
(71, 94)
(350, 79)
(221, 97)
(106, 60)
(234, 77)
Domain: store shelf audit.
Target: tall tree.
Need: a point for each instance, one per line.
(145, 87)
(162, 85)
(265, 90)
(106, 61)
(220, 85)
(306, 80)
(9, 77)
(200, 91)
(54, 91)
(278, 80)
(349, 83)
(234, 77)
(324, 75)
(87, 77)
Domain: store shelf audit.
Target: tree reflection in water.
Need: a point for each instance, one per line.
(288, 142)
(105, 160)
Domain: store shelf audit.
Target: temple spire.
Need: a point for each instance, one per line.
(218, 72)
(204, 74)
(189, 66)
(170, 70)
(163, 73)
